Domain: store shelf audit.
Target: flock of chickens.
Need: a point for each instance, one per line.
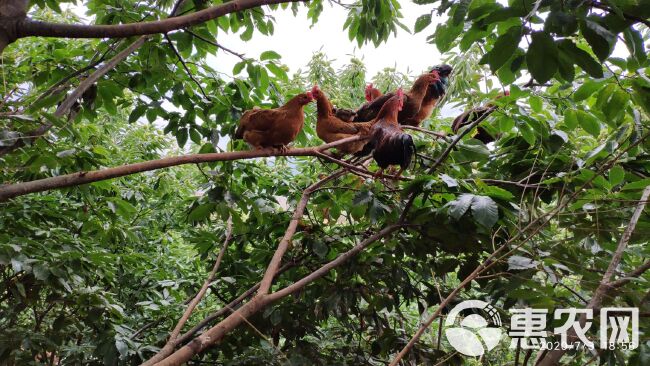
(379, 119)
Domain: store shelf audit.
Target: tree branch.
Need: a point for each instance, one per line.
(631, 17)
(173, 338)
(187, 70)
(274, 264)
(543, 220)
(629, 276)
(215, 334)
(553, 357)
(64, 107)
(69, 180)
(28, 27)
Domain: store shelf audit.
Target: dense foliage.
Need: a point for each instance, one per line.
(100, 273)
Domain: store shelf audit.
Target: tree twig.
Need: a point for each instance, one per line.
(187, 70)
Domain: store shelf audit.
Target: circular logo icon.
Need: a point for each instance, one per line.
(475, 335)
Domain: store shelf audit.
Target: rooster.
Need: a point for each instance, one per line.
(389, 144)
(432, 97)
(263, 128)
(330, 128)
(412, 101)
(472, 115)
(372, 93)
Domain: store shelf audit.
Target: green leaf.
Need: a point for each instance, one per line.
(542, 57)
(581, 58)
(137, 112)
(498, 193)
(599, 38)
(640, 184)
(616, 175)
(181, 137)
(535, 103)
(460, 11)
(587, 89)
(485, 211)
(277, 71)
(571, 118)
(634, 43)
(504, 48)
(422, 22)
(458, 207)
(201, 212)
(270, 55)
(588, 122)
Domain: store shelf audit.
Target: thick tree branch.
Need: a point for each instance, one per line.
(18, 189)
(28, 27)
(215, 334)
(631, 275)
(553, 357)
(274, 264)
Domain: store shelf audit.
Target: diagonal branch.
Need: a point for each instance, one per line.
(187, 70)
(75, 95)
(215, 334)
(69, 180)
(274, 264)
(173, 338)
(553, 357)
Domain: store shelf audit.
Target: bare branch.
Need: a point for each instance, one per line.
(28, 27)
(439, 135)
(69, 180)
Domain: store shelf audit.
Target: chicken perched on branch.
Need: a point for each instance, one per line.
(344, 114)
(472, 115)
(263, 128)
(412, 100)
(372, 93)
(432, 97)
(331, 128)
(389, 144)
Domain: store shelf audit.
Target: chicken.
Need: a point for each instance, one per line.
(263, 128)
(412, 100)
(432, 97)
(389, 144)
(372, 93)
(472, 115)
(350, 115)
(330, 128)
(344, 114)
